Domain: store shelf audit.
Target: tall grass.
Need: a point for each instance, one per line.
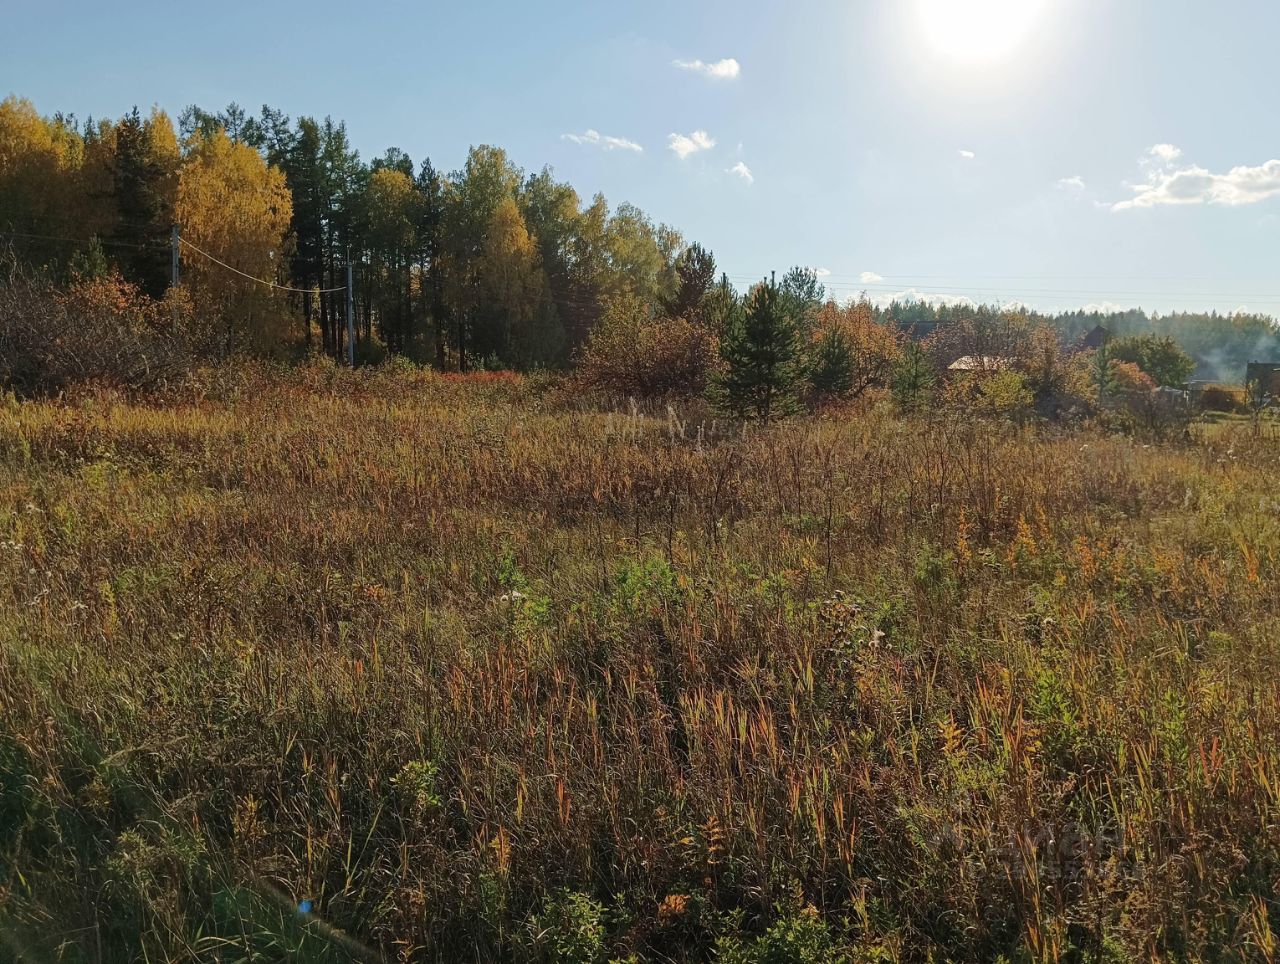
(481, 672)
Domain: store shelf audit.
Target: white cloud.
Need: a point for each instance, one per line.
(870, 278)
(691, 144)
(1072, 185)
(727, 69)
(1164, 153)
(1104, 308)
(742, 171)
(1198, 185)
(968, 155)
(911, 295)
(821, 272)
(596, 139)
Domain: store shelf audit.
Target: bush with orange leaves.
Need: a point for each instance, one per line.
(634, 354)
(851, 351)
(99, 330)
(1127, 380)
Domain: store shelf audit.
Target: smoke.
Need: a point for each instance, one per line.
(1227, 363)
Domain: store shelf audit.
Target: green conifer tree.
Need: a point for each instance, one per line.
(913, 378)
(831, 373)
(761, 354)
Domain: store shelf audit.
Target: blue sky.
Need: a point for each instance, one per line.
(1004, 153)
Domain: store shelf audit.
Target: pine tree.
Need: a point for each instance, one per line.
(832, 372)
(696, 276)
(913, 377)
(802, 295)
(721, 306)
(428, 231)
(761, 354)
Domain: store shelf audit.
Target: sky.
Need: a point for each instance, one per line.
(1054, 153)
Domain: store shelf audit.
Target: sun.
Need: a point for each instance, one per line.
(978, 31)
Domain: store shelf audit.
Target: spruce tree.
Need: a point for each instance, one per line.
(761, 353)
(143, 192)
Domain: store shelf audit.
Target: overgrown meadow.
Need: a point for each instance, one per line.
(330, 666)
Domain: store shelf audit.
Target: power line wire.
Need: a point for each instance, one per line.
(903, 278)
(53, 237)
(269, 284)
(886, 288)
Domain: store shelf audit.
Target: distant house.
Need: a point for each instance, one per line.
(1198, 386)
(1266, 376)
(1170, 395)
(982, 364)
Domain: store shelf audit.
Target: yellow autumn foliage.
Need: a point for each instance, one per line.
(237, 208)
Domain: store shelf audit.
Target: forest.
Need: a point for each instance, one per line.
(482, 267)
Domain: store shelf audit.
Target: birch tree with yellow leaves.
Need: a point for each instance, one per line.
(39, 160)
(235, 208)
(514, 290)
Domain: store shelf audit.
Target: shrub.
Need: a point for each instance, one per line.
(1000, 394)
(1004, 394)
(631, 354)
(1216, 398)
(570, 928)
(800, 936)
(100, 330)
(1126, 380)
(1159, 356)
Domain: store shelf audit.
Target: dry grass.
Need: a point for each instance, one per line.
(485, 673)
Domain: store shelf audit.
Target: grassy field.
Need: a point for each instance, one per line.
(329, 666)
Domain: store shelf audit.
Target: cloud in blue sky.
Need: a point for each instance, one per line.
(727, 69)
(594, 138)
(1170, 184)
(687, 144)
(1163, 154)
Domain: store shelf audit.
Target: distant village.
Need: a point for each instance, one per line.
(1260, 380)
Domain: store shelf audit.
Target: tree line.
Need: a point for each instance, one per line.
(1221, 344)
(486, 265)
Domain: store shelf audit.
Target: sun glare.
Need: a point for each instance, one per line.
(978, 31)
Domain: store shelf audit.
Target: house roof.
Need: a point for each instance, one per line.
(980, 363)
(1096, 338)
